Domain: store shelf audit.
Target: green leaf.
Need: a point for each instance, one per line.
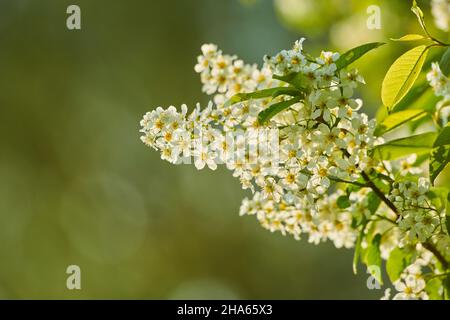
(419, 14)
(352, 188)
(274, 109)
(373, 202)
(425, 100)
(439, 198)
(432, 288)
(446, 284)
(410, 37)
(420, 143)
(356, 53)
(416, 123)
(272, 92)
(398, 260)
(357, 253)
(395, 120)
(343, 202)
(373, 256)
(444, 64)
(443, 138)
(439, 159)
(295, 79)
(401, 75)
(421, 95)
(447, 214)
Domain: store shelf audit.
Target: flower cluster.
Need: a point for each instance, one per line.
(224, 75)
(441, 87)
(321, 138)
(314, 138)
(439, 82)
(329, 222)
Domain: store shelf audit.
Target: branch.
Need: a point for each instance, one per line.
(379, 193)
(430, 247)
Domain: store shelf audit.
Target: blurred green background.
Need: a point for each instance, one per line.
(78, 187)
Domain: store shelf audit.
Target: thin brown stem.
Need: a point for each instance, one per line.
(379, 193)
(430, 247)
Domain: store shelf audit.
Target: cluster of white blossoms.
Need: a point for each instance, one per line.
(441, 87)
(291, 159)
(441, 13)
(419, 219)
(224, 75)
(320, 138)
(329, 223)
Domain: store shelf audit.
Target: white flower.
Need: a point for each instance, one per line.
(407, 165)
(319, 182)
(270, 189)
(203, 157)
(412, 288)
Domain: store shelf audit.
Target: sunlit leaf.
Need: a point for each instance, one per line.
(401, 75)
(411, 37)
(420, 143)
(433, 287)
(395, 120)
(419, 14)
(398, 260)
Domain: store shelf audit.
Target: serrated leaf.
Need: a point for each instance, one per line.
(411, 37)
(439, 159)
(274, 109)
(398, 260)
(401, 75)
(354, 54)
(395, 120)
(260, 94)
(444, 64)
(373, 256)
(419, 144)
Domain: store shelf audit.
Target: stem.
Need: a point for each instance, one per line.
(386, 219)
(432, 276)
(430, 247)
(443, 44)
(379, 193)
(362, 185)
(336, 179)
